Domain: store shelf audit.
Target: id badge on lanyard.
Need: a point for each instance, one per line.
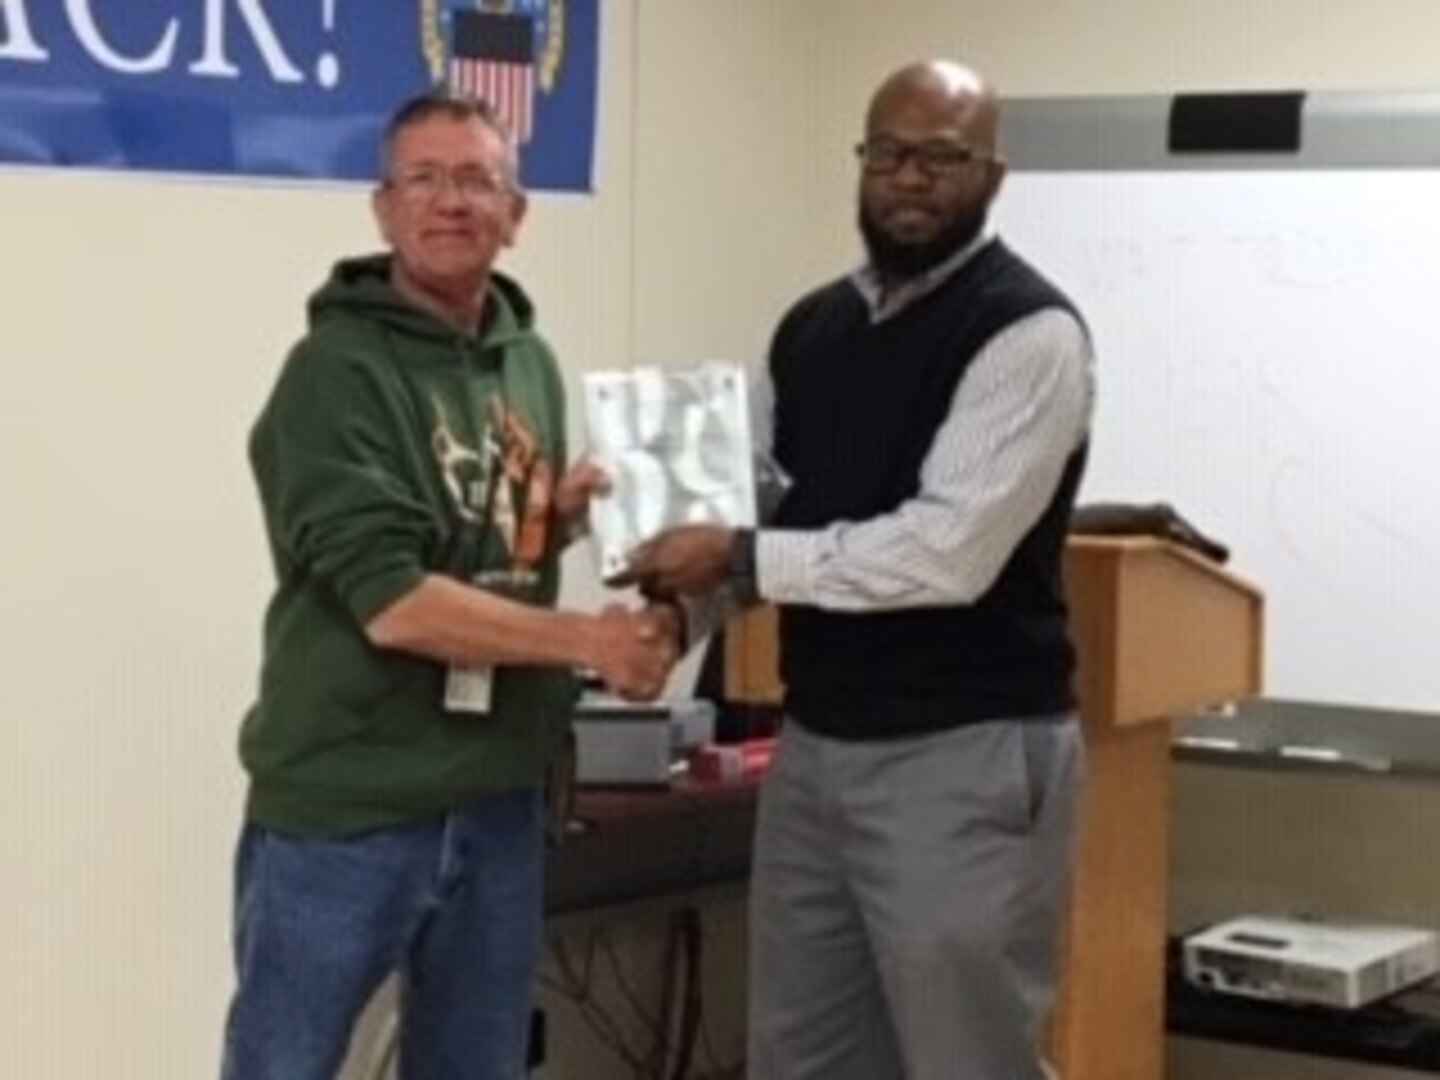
(469, 687)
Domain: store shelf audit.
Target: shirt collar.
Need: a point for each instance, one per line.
(885, 305)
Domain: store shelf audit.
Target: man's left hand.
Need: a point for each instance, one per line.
(686, 560)
(582, 482)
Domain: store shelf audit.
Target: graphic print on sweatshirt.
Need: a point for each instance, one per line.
(504, 484)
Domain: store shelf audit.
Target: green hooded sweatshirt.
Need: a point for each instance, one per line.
(393, 446)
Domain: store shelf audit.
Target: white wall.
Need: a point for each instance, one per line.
(145, 316)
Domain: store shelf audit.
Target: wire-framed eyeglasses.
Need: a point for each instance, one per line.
(427, 183)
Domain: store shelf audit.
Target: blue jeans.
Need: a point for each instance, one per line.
(453, 903)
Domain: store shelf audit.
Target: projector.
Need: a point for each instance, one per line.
(1309, 962)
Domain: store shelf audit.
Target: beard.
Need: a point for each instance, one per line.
(900, 260)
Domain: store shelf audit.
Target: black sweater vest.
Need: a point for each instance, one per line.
(857, 408)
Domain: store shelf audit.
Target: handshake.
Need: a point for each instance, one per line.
(633, 652)
(636, 650)
(677, 451)
(673, 440)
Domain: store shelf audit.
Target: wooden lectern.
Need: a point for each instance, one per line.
(1160, 632)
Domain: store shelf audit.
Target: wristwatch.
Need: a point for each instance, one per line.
(740, 570)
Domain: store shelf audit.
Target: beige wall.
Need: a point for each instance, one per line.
(144, 320)
(144, 317)
(1061, 47)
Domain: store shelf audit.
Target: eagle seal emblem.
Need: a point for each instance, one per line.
(504, 51)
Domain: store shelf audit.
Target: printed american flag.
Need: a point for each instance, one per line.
(492, 57)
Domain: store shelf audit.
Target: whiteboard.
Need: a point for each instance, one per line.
(1268, 352)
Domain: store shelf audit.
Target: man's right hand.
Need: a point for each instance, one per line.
(683, 560)
(635, 651)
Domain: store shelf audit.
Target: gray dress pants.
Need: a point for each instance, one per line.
(906, 902)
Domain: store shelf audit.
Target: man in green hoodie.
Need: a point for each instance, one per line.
(417, 676)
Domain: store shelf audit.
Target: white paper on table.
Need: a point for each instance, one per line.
(677, 446)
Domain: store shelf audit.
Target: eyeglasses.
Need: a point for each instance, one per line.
(935, 157)
(425, 184)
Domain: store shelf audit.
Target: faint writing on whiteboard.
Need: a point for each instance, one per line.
(1306, 260)
(1267, 362)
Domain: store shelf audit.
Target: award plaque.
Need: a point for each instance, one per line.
(677, 446)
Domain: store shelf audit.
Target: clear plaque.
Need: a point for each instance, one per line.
(677, 446)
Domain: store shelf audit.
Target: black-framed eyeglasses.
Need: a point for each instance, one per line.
(935, 157)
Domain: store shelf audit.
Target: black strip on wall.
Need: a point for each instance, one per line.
(1235, 123)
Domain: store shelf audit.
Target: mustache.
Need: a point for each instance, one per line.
(904, 205)
(903, 260)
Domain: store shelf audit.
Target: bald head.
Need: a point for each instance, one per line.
(941, 86)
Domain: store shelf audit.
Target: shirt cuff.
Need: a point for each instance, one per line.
(782, 560)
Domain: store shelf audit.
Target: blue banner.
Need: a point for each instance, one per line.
(288, 88)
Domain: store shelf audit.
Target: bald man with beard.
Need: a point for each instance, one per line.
(914, 838)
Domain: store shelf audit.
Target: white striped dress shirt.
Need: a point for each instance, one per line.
(1022, 407)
